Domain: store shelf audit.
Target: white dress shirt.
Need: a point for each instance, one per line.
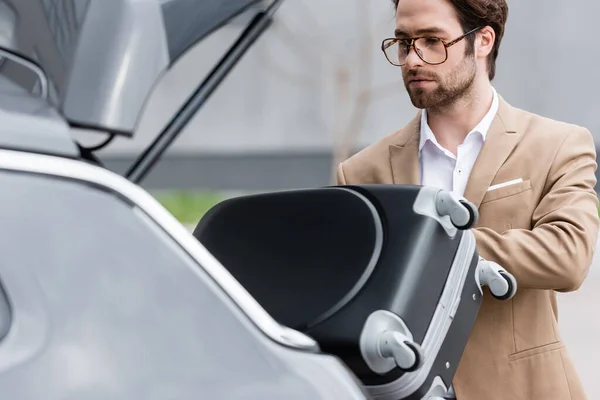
(439, 167)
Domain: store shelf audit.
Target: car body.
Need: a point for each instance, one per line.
(103, 293)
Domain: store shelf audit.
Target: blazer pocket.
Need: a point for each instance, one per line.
(506, 191)
(535, 351)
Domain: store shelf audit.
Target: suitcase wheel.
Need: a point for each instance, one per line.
(387, 343)
(462, 213)
(501, 283)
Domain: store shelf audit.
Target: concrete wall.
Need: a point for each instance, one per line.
(272, 123)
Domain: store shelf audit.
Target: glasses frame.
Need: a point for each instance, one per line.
(392, 41)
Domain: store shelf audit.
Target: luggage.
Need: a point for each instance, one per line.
(385, 277)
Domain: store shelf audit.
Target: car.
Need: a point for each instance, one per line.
(104, 294)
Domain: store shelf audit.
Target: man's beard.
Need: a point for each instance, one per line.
(455, 86)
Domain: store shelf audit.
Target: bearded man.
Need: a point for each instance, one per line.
(531, 177)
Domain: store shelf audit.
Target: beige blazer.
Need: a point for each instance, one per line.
(543, 230)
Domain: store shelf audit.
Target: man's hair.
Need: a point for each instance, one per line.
(480, 13)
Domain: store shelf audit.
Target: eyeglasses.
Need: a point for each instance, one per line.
(432, 50)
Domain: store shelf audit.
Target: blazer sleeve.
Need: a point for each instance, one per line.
(340, 177)
(557, 252)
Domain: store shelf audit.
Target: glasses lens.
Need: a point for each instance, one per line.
(431, 50)
(395, 50)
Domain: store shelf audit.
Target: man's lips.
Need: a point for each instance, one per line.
(419, 79)
(419, 82)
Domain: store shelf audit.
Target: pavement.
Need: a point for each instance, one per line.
(579, 321)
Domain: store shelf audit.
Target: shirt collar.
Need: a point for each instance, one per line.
(482, 127)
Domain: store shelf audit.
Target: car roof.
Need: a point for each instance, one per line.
(30, 124)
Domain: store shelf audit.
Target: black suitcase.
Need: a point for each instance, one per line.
(385, 277)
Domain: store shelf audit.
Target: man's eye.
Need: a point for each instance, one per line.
(431, 41)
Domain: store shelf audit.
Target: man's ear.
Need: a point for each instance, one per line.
(485, 42)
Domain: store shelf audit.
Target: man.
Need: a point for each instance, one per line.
(531, 177)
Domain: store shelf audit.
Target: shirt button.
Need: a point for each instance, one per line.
(460, 171)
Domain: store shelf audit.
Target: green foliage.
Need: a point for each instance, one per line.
(188, 206)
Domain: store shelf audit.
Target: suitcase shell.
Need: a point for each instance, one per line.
(339, 263)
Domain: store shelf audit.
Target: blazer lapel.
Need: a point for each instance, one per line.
(404, 154)
(499, 144)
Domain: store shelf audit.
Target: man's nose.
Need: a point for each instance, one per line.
(413, 59)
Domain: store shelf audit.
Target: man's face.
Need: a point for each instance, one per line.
(434, 86)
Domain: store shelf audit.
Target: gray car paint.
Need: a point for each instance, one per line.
(105, 305)
(187, 21)
(121, 53)
(104, 58)
(29, 123)
(106, 297)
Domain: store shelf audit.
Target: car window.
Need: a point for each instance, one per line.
(121, 312)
